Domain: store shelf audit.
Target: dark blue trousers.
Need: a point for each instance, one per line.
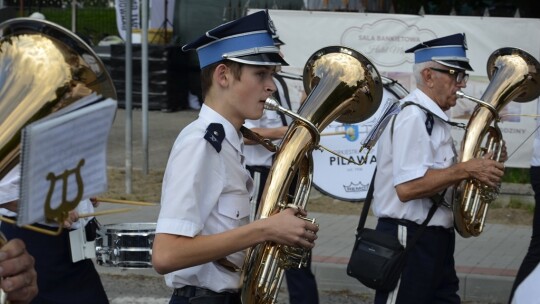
(302, 285)
(429, 276)
(532, 257)
(60, 281)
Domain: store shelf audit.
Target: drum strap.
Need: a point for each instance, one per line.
(283, 85)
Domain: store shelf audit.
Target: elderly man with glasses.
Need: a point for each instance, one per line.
(416, 164)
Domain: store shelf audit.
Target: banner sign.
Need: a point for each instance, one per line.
(383, 38)
(122, 15)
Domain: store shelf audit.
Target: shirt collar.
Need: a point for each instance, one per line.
(429, 104)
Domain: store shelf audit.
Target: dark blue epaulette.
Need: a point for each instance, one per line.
(215, 134)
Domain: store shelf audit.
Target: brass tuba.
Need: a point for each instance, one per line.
(514, 75)
(44, 67)
(342, 85)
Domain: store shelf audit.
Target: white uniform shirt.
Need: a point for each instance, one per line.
(205, 192)
(407, 156)
(535, 160)
(257, 155)
(528, 292)
(9, 191)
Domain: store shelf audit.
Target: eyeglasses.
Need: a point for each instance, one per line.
(459, 75)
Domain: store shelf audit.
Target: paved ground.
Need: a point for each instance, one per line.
(486, 264)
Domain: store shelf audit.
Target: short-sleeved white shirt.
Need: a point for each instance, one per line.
(407, 155)
(535, 159)
(205, 192)
(9, 191)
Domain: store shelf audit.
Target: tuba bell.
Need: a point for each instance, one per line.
(341, 85)
(44, 67)
(514, 75)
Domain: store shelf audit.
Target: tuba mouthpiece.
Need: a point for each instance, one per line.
(271, 104)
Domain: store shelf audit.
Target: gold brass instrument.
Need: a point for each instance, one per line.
(341, 85)
(514, 75)
(45, 68)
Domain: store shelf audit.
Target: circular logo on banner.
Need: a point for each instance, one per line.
(341, 177)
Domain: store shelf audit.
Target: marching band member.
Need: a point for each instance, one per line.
(59, 279)
(416, 160)
(203, 226)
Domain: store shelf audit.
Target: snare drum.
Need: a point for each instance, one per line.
(127, 245)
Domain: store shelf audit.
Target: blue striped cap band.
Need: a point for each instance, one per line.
(248, 42)
(427, 54)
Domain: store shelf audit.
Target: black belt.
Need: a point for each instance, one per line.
(404, 222)
(202, 293)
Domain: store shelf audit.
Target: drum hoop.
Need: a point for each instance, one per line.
(124, 227)
(345, 199)
(389, 83)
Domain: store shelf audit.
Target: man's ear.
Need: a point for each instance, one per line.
(222, 75)
(427, 75)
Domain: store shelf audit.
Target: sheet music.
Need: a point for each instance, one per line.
(73, 140)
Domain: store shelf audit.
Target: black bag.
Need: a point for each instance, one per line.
(377, 259)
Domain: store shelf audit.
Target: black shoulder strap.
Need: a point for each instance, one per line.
(367, 203)
(436, 199)
(283, 85)
(430, 115)
(285, 90)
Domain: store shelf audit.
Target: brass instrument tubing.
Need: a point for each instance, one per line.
(493, 111)
(334, 133)
(341, 156)
(272, 104)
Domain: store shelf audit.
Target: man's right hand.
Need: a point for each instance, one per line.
(19, 278)
(485, 170)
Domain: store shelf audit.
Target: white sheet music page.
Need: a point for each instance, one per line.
(63, 159)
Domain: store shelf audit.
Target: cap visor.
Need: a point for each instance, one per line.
(456, 64)
(278, 42)
(261, 59)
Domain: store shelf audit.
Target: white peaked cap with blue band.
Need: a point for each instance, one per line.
(449, 51)
(246, 40)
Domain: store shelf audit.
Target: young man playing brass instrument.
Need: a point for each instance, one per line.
(203, 226)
